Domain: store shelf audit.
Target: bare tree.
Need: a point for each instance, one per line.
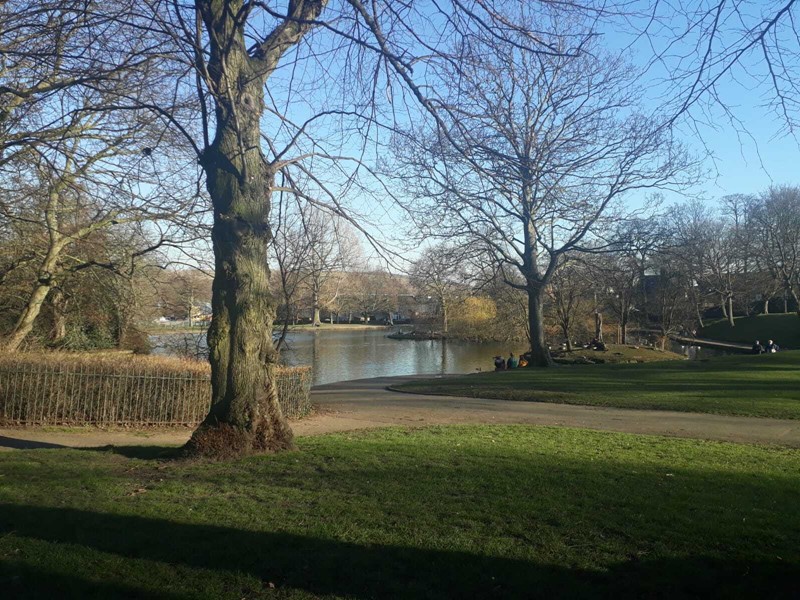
(568, 295)
(72, 195)
(535, 154)
(331, 249)
(777, 216)
(438, 273)
(670, 299)
(373, 291)
(619, 271)
(73, 160)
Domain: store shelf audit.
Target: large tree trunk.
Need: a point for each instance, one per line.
(540, 353)
(766, 306)
(245, 415)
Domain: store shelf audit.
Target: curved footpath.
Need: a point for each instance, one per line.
(366, 403)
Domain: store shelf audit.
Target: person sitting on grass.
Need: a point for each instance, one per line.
(757, 348)
(512, 361)
(499, 363)
(771, 347)
(522, 362)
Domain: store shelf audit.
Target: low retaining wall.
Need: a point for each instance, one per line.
(65, 389)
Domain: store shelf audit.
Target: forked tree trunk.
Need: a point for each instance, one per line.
(245, 415)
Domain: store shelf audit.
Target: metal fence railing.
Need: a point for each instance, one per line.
(64, 392)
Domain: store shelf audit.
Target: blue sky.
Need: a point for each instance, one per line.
(747, 161)
(756, 151)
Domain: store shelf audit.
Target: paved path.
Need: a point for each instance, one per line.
(366, 403)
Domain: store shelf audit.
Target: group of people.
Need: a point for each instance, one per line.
(768, 349)
(513, 362)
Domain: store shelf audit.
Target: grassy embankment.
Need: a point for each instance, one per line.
(615, 353)
(453, 512)
(783, 328)
(759, 386)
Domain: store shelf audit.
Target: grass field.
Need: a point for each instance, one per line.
(783, 328)
(449, 512)
(760, 386)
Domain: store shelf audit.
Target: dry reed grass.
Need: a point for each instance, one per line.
(115, 388)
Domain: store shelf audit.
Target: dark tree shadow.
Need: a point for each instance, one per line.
(18, 444)
(19, 580)
(329, 567)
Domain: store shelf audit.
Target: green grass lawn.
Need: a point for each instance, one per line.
(446, 512)
(760, 386)
(784, 329)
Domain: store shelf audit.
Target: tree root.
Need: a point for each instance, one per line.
(223, 441)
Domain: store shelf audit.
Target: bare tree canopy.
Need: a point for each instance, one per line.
(532, 156)
(703, 54)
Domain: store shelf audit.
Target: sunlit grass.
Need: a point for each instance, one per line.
(761, 386)
(443, 512)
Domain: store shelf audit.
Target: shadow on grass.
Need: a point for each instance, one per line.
(142, 452)
(330, 567)
(19, 444)
(19, 580)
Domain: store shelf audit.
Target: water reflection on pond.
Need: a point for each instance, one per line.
(356, 354)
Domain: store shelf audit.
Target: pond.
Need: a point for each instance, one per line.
(342, 355)
(345, 354)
